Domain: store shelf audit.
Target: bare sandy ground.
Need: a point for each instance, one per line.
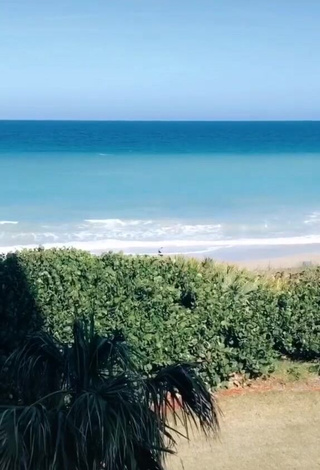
(278, 430)
(284, 262)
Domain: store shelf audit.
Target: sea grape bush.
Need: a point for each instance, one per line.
(221, 318)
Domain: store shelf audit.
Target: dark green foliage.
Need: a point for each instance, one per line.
(86, 406)
(224, 319)
(18, 310)
(298, 323)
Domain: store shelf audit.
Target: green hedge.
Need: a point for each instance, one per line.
(170, 309)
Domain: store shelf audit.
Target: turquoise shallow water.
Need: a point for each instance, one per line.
(186, 187)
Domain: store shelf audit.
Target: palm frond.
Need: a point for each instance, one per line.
(110, 356)
(93, 357)
(117, 425)
(86, 406)
(37, 367)
(179, 391)
(25, 438)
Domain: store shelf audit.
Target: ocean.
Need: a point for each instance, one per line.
(231, 190)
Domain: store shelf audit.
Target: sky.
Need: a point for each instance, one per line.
(160, 59)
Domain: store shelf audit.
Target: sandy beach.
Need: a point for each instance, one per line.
(281, 262)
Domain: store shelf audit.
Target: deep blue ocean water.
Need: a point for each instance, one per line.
(189, 187)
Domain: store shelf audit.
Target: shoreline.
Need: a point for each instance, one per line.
(282, 262)
(277, 257)
(246, 257)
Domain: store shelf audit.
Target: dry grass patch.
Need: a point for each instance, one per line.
(277, 430)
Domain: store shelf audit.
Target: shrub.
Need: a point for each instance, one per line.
(298, 325)
(170, 309)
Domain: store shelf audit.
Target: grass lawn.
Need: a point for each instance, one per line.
(259, 430)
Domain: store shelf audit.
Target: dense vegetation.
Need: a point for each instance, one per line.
(171, 310)
(87, 406)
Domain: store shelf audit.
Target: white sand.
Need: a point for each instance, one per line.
(285, 262)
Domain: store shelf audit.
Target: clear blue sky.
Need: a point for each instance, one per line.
(160, 59)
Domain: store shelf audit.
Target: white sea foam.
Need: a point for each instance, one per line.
(313, 218)
(148, 229)
(170, 246)
(148, 236)
(117, 222)
(8, 222)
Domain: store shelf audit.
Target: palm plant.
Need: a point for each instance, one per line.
(86, 406)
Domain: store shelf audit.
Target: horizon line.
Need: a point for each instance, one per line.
(155, 120)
